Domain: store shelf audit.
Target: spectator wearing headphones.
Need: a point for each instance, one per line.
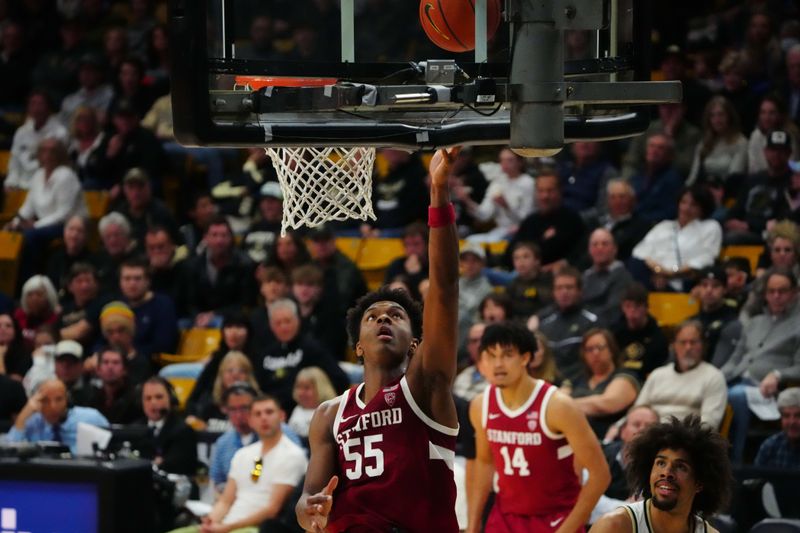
(171, 444)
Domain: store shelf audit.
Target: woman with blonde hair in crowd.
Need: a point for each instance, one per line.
(205, 412)
(311, 387)
(782, 250)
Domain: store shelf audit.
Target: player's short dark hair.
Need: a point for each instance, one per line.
(708, 454)
(413, 310)
(508, 334)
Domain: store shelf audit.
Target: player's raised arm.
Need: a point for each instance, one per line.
(430, 375)
(315, 504)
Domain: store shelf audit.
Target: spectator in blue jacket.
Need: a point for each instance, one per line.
(156, 322)
(658, 183)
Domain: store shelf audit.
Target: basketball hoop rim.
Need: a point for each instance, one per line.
(258, 82)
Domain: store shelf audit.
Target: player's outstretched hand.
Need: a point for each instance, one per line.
(318, 506)
(440, 165)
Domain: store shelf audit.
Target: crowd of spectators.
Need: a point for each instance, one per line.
(589, 233)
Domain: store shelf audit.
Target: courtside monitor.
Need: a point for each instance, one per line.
(533, 74)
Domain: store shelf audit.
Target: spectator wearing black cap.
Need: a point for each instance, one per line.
(762, 197)
(128, 146)
(343, 279)
(715, 311)
(642, 343)
(141, 209)
(262, 233)
(92, 93)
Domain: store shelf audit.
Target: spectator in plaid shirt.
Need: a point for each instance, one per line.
(783, 450)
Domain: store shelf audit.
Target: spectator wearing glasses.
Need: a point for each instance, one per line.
(236, 402)
(767, 354)
(470, 382)
(606, 391)
(262, 476)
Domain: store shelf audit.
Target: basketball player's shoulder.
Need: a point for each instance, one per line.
(618, 520)
(327, 410)
(711, 529)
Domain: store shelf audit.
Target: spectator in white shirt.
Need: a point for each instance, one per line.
(54, 196)
(674, 249)
(261, 478)
(508, 199)
(40, 124)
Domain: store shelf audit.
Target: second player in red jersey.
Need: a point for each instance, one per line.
(536, 440)
(381, 454)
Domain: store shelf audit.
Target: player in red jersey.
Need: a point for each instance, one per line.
(536, 439)
(381, 454)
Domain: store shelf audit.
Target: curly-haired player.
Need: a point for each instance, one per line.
(682, 470)
(382, 453)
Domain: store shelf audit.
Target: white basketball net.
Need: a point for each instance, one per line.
(320, 184)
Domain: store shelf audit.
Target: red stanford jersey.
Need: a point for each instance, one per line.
(395, 466)
(534, 465)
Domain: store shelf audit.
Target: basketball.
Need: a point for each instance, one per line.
(450, 24)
